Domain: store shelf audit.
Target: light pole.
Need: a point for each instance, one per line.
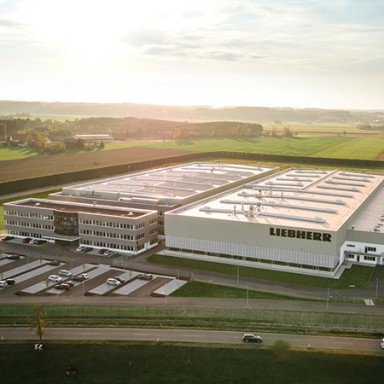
(238, 276)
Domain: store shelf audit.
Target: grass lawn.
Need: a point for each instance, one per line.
(16, 153)
(165, 363)
(198, 289)
(357, 275)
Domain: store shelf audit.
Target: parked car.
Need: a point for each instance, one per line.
(3, 284)
(65, 273)
(7, 238)
(145, 276)
(251, 338)
(37, 241)
(63, 286)
(55, 263)
(113, 281)
(14, 257)
(55, 278)
(10, 281)
(122, 281)
(85, 276)
(70, 283)
(382, 343)
(87, 249)
(26, 240)
(102, 251)
(79, 277)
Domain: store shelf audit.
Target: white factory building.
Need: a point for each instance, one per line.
(163, 189)
(299, 220)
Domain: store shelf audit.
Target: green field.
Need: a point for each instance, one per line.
(344, 147)
(16, 153)
(162, 363)
(363, 148)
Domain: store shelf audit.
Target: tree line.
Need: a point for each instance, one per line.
(57, 136)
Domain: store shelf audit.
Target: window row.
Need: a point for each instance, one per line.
(34, 215)
(111, 235)
(30, 225)
(111, 224)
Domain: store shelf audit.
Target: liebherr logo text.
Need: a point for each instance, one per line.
(297, 234)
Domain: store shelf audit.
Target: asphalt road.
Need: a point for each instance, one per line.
(194, 336)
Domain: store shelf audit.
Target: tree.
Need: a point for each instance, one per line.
(39, 321)
(281, 349)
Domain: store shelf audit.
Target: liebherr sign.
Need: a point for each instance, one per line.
(299, 234)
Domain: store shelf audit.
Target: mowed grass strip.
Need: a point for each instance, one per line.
(198, 289)
(123, 362)
(357, 275)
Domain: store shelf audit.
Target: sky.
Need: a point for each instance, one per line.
(270, 53)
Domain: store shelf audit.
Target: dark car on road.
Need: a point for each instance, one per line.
(251, 338)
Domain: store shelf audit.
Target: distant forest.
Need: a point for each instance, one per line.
(190, 113)
(56, 136)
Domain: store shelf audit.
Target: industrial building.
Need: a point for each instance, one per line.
(307, 221)
(163, 189)
(98, 226)
(299, 220)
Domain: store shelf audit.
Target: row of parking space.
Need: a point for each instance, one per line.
(122, 284)
(48, 284)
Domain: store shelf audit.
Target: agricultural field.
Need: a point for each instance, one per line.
(20, 163)
(164, 363)
(362, 148)
(29, 167)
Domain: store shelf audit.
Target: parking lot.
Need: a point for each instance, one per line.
(50, 270)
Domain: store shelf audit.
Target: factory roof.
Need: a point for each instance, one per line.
(169, 185)
(311, 198)
(71, 207)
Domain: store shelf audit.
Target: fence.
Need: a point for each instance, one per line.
(230, 318)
